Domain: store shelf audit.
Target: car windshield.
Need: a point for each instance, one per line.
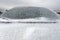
(29, 12)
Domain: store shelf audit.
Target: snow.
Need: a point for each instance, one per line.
(30, 31)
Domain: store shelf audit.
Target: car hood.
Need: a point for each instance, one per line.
(30, 20)
(30, 31)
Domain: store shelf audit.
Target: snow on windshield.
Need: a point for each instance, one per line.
(29, 12)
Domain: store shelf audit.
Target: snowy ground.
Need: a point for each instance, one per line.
(30, 31)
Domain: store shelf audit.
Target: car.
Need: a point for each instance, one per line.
(28, 14)
(30, 23)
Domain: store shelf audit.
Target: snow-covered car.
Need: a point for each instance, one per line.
(29, 14)
(30, 23)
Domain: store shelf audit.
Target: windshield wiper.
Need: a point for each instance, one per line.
(37, 22)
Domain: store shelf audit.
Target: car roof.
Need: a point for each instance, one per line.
(29, 12)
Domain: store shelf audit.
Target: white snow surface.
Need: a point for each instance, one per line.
(30, 31)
